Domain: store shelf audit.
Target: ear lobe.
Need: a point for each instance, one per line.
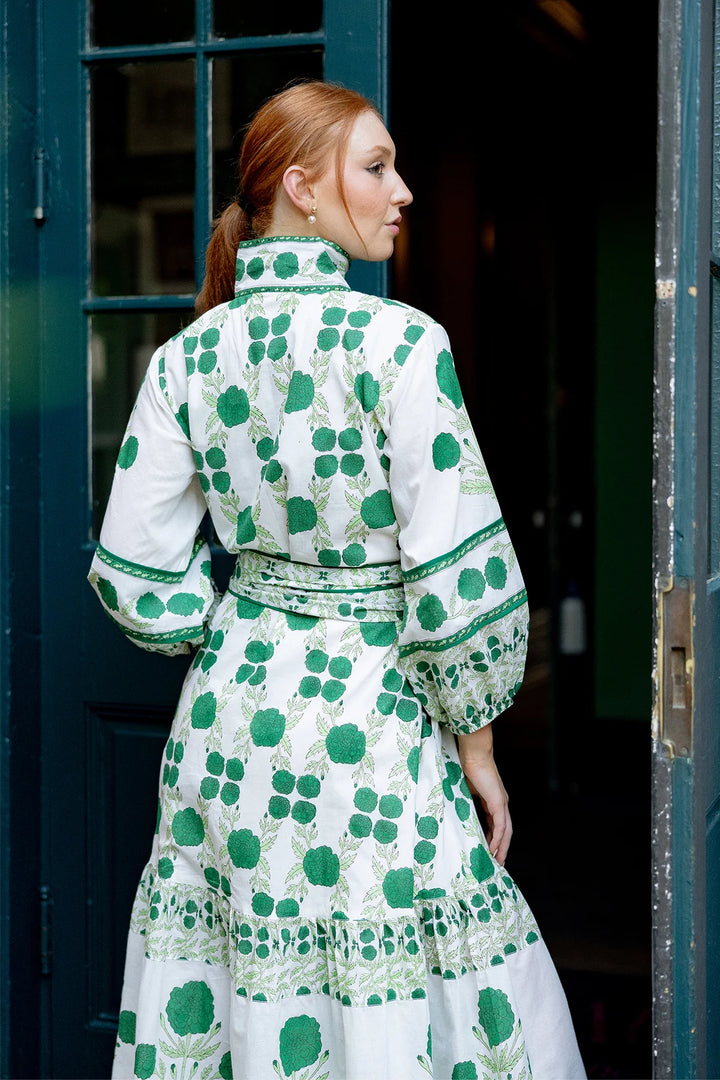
(297, 187)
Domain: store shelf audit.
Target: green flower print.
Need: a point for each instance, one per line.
(430, 612)
(464, 1070)
(233, 406)
(495, 1015)
(128, 452)
(145, 1055)
(300, 1043)
(447, 378)
(191, 1009)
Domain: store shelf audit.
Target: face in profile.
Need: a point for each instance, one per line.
(374, 191)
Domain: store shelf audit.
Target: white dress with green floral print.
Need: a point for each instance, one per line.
(319, 902)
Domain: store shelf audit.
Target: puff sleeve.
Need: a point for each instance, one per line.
(464, 635)
(152, 569)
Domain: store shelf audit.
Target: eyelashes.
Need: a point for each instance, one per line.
(377, 169)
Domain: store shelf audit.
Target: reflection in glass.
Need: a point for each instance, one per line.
(232, 19)
(121, 345)
(240, 85)
(141, 22)
(143, 176)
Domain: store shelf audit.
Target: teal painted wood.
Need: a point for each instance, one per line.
(96, 688)
(696, 780)
(687, 280)
(20, 132)
(356, 55)
(685, 457)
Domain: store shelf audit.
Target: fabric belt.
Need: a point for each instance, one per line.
(346, 592)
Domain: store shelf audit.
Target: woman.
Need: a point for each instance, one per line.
(320, 900)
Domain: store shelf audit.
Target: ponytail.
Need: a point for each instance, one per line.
(218, 286)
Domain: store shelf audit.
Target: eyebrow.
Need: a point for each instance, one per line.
(380, 150)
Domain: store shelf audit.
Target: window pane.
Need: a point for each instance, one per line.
(141, 22)
(121, 345)
(232, 19)
(240, 85)
(143, 131)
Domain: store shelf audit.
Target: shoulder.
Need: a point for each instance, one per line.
(392, 320)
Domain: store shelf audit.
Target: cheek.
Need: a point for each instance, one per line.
(367, 200)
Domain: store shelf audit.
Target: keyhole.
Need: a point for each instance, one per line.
(678, 675)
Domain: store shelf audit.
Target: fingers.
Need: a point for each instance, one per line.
(499, 836)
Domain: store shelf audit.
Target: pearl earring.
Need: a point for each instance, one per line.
(311, 216)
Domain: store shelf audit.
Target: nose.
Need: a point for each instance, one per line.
(402, 195)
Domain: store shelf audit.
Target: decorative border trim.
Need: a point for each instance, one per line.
(148, 573)
(292, 239)
(164, 637)
(292, 288)
(443, 561)
(439, 645)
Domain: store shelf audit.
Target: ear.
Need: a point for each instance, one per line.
(298, 188)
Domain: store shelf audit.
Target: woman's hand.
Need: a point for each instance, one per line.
(478, 764)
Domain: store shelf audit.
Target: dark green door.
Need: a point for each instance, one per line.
(140, 105)
(687, 544)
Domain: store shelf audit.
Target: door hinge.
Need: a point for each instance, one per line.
(676, 665)
(46, 930)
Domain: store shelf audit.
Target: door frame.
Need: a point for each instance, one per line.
(686, 619)
(44, 161)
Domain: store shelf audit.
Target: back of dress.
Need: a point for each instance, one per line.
(317, 851)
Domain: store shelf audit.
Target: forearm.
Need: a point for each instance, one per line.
(477, 746)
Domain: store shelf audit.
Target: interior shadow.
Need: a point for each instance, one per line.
(529, 144)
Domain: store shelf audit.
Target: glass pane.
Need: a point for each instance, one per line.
(232, 19)
(141, 22)
(121, 345)
(143, 176)
(240, 85)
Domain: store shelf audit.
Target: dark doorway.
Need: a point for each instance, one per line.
(529, 143)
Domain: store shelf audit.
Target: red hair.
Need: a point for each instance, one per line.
(302, 125)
